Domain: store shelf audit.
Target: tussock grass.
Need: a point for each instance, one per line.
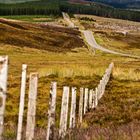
(127, 74)
(72, 70)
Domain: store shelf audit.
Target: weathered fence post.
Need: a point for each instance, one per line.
(3, 90)
(64, 112)
(81, 105)
(93, 99)
(31, 106)
(73, 108)
(21, 106)
(96, 97)
(51, 111)
(103, 85)
(90, 98)
(86, 100)
(99, 91)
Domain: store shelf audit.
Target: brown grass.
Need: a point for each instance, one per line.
(43, 37)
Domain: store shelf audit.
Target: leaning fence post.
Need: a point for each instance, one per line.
(21, 106)
(51, 111)
(64, 112)
(73, 108)
(86, 100)
(31, 106)
(81, 105)
(3, 90)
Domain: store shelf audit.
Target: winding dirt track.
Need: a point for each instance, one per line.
(68, 20)
(92, 42)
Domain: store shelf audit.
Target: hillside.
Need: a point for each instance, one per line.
(28, 35)
(121, 3)
(60, 54)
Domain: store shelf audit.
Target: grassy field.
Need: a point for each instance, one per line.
(45, 50)
(120, 43)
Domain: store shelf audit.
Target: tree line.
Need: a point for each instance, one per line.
(101, 10)
(54, 8)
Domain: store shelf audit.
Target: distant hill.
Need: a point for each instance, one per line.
(15, 1)
(121, 3)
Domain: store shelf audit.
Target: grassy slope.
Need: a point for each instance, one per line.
(117, 116)
(60, 63)
(122, 92)
(39, 37)
(108, 33)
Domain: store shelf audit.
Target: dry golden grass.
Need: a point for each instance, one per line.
(127, 74)
(114, 41)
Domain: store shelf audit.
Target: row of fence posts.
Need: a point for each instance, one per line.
(88, 100)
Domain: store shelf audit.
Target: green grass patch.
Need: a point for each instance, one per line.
(32, 18)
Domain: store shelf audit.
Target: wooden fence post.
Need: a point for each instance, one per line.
(64, 112)
(81, 105)
(98, 91)
(86, 101)
(21, 106)
(51, 111)
(73, 108)
(31, 106)
(103, 84)
(3, 90)
(93, 99)
(90, 98)
(96, 97)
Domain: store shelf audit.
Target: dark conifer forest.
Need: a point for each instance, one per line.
(55, 7)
